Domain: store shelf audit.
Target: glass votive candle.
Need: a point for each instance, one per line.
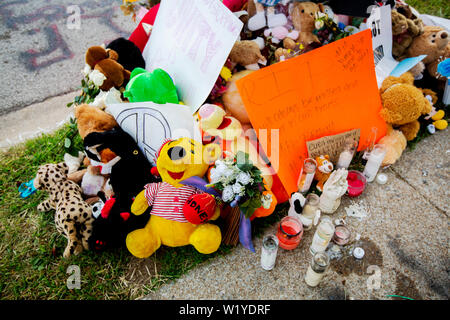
(376, 157)
(269, 252)
(309, 212)
(306, 176)
(356, 183)
(290, 232)
(317, 269)
(341, 235)
(346, 156)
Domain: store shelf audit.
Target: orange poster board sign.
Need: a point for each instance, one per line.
(327, 91)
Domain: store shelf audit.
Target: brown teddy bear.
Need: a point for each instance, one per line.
(434, 42)
(404, 30)
(303, 16)
(105, 61)
(403, 104)
(247, 54)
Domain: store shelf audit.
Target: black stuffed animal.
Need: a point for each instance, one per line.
(128, 177)
(130, 57)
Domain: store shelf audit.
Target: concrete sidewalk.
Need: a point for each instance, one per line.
(405, 235)
(36, 119)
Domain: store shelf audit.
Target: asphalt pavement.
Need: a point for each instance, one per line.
(43, 42)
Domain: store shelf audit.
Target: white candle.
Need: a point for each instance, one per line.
(269, 252)
(373, 164)
(345, 158)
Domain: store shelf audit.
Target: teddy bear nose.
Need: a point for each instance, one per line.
(176, 153)
(444, 35)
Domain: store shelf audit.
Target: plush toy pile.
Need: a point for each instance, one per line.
(113, 196)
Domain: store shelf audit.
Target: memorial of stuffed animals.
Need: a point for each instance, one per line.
(213, 114)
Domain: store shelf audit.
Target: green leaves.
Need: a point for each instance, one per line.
(250, 206)
(88, 93)
(243, 162)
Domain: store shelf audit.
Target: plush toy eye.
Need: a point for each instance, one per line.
(176, 153)
(303, 11)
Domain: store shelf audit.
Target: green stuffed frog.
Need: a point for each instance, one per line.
(156, 86)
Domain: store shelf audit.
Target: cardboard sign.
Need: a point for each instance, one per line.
(324, 92)
(191, 40)
(331, 145)
(150, 124)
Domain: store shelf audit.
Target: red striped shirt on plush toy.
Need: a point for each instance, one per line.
(167, 200)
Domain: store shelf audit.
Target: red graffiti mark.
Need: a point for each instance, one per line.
(55, 42)
(34, 59)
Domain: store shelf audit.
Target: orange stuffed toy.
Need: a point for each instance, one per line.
(323, 171)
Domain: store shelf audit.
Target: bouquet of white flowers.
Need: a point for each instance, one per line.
(240, 183)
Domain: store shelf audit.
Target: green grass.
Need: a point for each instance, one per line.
(440, 8)
(31, 262)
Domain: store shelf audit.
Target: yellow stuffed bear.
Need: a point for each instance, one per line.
(403, 104)
(177, 160)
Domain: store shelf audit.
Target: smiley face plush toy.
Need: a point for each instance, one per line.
(177, 161)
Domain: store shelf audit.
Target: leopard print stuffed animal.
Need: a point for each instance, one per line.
(73, 216)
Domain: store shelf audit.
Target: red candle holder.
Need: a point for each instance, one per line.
(356, 183)
(290, 232)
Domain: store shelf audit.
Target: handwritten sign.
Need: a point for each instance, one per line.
(191, 40)
(324, 92)
(331, 145)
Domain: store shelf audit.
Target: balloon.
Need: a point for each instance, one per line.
(199, 208)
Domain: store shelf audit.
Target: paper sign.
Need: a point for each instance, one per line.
(324, 92)
(150, 124)
(331, 145)
(191, 40)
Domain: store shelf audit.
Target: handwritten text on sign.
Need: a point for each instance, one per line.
(191, 40)
(324, 92)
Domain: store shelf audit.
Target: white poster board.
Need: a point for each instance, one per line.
(150, 124)
(191, 40)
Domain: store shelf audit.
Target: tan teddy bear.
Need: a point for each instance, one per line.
(434, 42)
(303, 17)
(404, 30)
(247, 53)
(403, 104)
(395, 142)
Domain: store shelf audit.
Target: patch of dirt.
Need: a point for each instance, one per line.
(405, 287)
(348, 264)
(141, 271)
